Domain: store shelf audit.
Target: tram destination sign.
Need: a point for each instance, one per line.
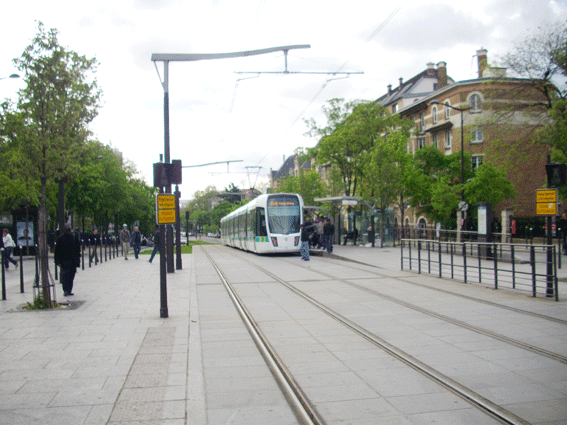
(165, 208)
(546, 202)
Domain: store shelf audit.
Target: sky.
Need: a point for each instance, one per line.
(233, 109)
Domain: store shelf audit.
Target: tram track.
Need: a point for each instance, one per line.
(462, 296)
(303, 409)
(520, 344)
(473, 398)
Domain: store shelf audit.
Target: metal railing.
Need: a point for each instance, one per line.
(525, 267)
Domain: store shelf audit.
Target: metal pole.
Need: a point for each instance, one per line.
(3, 277)
(22, 270)
(550, 283)
(178, 265)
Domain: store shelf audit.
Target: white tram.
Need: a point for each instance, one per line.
(267, 224)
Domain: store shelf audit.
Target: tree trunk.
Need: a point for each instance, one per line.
(43, 248)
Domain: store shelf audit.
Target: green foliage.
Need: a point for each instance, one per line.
(308, 184)
(489, 184)
(339, 145)
(40, 303)
(445, 198)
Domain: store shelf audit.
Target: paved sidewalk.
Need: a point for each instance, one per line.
(113, 360)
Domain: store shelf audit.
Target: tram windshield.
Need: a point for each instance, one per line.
(284, 214)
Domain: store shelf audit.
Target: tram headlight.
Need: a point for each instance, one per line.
(275, 241)
(296, 241)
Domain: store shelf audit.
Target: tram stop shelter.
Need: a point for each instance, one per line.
(339, 202)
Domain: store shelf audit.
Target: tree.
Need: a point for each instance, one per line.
(489, 184)
(49, 125)
(541, 57)
(337, 145)
(308, 184)
(386, 160)
(432, 175)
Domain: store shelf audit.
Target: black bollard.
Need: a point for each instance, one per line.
(36, 267)
(21, 270)
(90, 256)
(56, 278)
(3, 277)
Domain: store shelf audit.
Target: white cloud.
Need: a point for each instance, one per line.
(266, 119)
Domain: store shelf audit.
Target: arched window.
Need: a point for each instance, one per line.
(475, 103)
(434, 114)
(447, 110)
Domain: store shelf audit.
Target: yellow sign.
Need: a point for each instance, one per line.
(165, 209)
(546, 202)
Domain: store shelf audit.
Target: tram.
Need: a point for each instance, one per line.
(267, 224)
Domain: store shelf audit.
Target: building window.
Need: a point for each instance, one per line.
(476, 134)
(434, 114)
(447, 110)
(475, 103)
(421, 121)
(435, 141)
(476, 161)
(447, 140)
(395, 108)
(420, 142)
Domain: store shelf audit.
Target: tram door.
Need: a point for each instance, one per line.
(261, 231)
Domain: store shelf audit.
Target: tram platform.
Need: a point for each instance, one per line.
(108, 358)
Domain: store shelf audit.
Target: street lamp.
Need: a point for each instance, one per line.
(461, 110)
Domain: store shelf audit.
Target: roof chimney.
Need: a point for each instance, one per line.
(482, 61)
(430, 68)
(389, 89)
(441, 74)
(401, 81)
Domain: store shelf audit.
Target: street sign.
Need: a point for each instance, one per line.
(165, 208)
(546, 202)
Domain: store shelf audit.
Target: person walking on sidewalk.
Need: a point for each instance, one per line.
(304, 247)
(68, 257)
(9, 246)
(156, 244)
(125, 240)
(95, 242)
(329, 231)
(136, 241)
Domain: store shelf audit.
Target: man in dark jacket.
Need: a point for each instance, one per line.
(67, 256)
(329, 232)
(136, 241)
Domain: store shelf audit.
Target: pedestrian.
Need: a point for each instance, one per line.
(136, 241)
(563, 227)
(125, 240)
(304, 246)
(156, 244)
(328, 231)
(68, 257)
(319, 226)
(9, 246)
(95, 242)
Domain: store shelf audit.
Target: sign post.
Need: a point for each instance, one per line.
(546, 204)
(165, 214)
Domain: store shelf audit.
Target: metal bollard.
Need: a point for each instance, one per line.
(90, 256)
(21, 270)
(56, 278)
(3, 277)
(83, 255)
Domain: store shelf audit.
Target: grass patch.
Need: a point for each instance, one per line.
(185, 249)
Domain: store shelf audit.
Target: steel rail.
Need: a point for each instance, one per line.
(302, 407)
(467, 394)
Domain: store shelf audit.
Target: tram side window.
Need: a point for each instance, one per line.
(251, 223)
(261, 229)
